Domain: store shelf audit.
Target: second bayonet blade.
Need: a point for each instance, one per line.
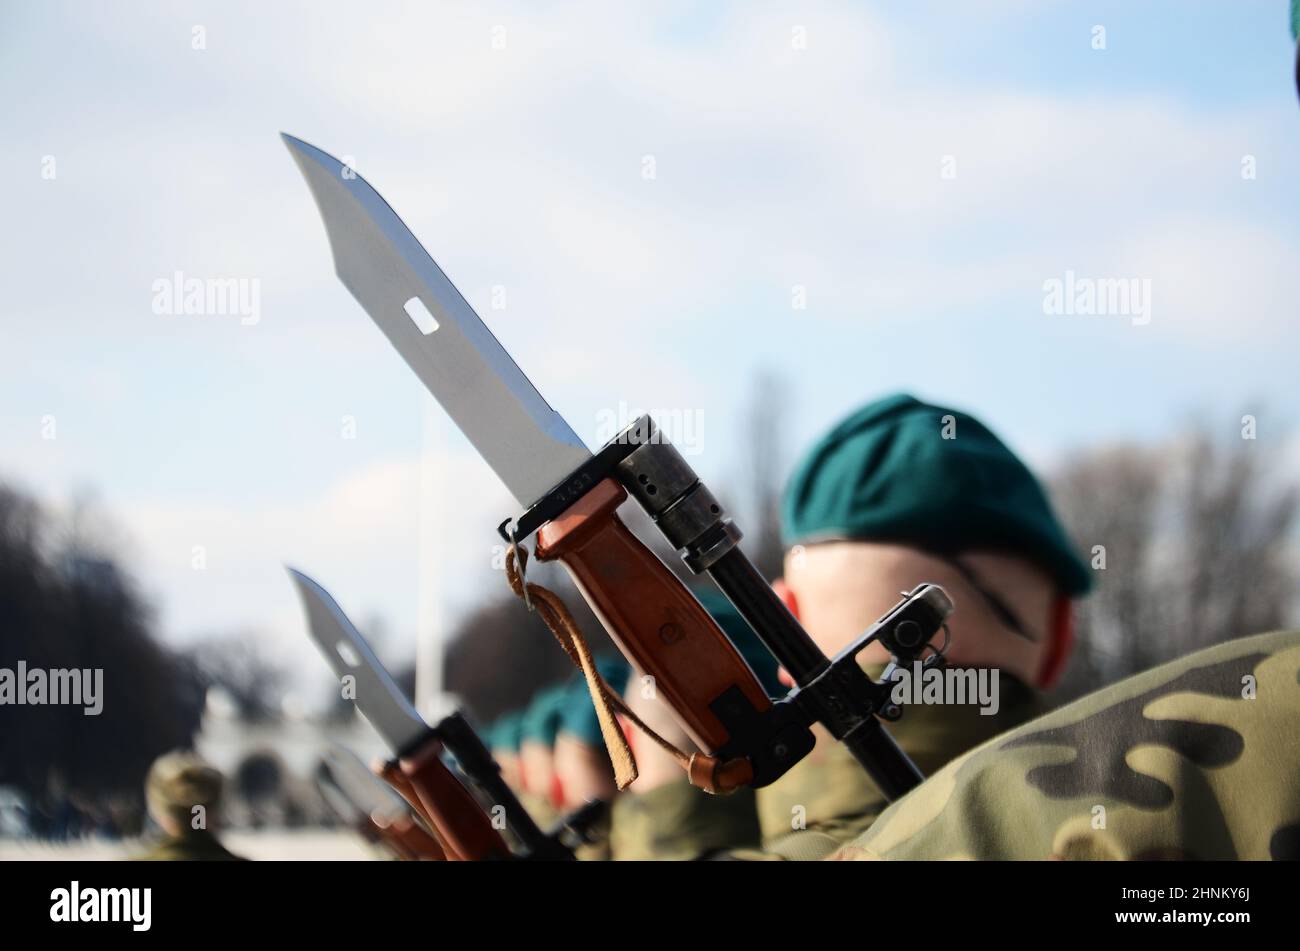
(365, 790)
(377, 695)
(529, 445)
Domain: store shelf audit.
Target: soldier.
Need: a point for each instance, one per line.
(583, 771)
(183, 794)
(540, 790)
(898, 493)
(581, 763)
(665, 818)
(1196, 759)
(503, 739)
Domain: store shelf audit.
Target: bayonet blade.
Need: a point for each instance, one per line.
(529, 445)
(334, 796)
(378, 697)
(362, 787)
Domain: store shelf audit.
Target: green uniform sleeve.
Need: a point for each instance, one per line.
(1197, 758)
(822, 803)
(827, 799)
(682, 823)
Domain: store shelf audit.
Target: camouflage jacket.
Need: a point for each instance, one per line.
(827, 799)
(1198, 758)
(678, 822)
(823, 802)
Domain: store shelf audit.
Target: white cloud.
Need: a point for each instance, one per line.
(522, 167)
(1220, 280)
(359, 537)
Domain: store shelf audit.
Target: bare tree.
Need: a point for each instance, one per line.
(1239, 578)
(239, 665)
(66, 604)
(501, 653)
(1192, 545)
(1108, 499)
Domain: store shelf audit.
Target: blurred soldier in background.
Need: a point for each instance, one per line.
(582, 765)
(583, 771)
(677, 821)
(539, 784)
(899, 493)
(183, 794)
(503, 738)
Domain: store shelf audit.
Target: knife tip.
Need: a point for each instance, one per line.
(299, 576)
(297, 146)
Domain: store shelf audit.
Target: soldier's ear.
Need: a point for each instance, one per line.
(792, 605)
(786, 595)
(1060, 642)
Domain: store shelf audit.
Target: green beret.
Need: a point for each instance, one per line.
(760, 661)
(541, 718)
(888, 474)
(504, 733)
(579, 715)
(615, 670)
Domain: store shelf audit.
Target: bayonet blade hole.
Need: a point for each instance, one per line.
(424, 321)
(349, 655)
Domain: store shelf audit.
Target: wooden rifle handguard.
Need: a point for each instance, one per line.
(464, 830)
(650, 614)
(409, 840)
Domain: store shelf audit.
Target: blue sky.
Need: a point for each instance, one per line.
(793, 145)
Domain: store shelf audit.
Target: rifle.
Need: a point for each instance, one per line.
(570, 497)
(444, 771)
(362, 800)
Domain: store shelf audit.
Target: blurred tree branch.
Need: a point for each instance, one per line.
(66, 604)
(237, 664)
(1197, 538)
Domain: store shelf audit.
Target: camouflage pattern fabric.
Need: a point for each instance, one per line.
(1198, 758)
(826, 800)
(682, 823)
(541, 808)
(823, 802)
